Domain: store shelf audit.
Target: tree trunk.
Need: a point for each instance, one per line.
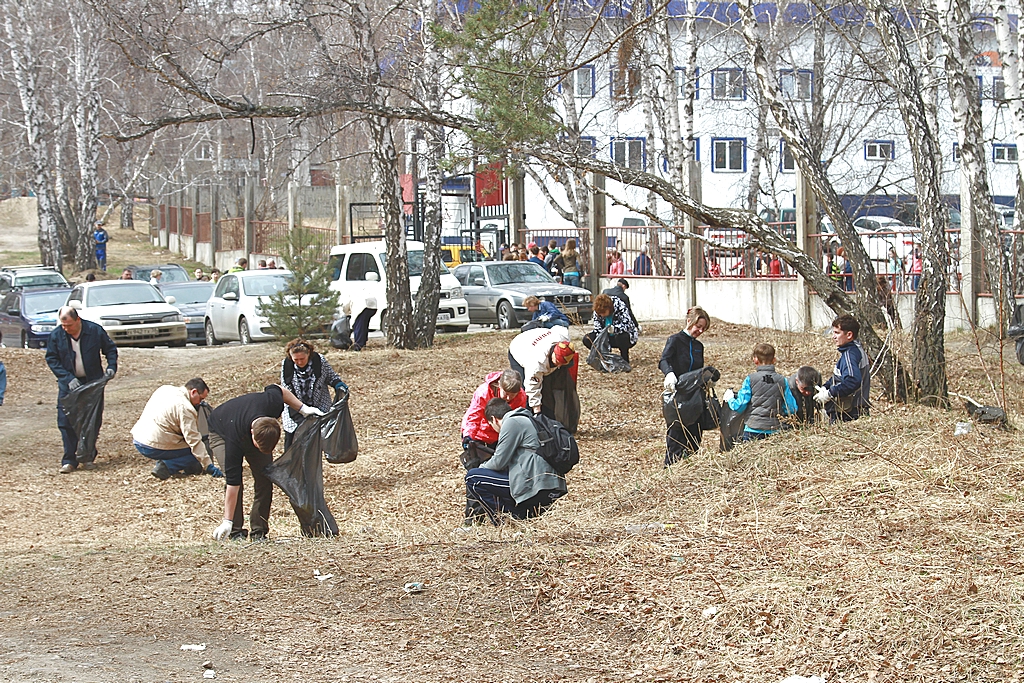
(929, 353)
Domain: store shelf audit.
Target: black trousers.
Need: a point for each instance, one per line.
(263, 492)
(681, 441)
(618, 341)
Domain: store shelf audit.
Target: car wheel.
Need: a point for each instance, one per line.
(211, 338)
(506, 316)
(456, 329)
(178, 344)
(243, 332)
(24, 340)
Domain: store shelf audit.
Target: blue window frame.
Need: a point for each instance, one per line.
(879, 150)
(625, 87)
(728, 155)
(797, 84)
(998, 89)
(956, 152)
(680, 74)
(629, 152)
(1004, 154)
(728, 84)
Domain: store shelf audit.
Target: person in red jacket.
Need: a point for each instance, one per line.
(478, 436)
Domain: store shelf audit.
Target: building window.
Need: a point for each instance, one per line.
(729, 155)
(998, 89)
(956, 152)
(624, 83)
(787, 164)
(588, 145)
(204, 151)
(728, 84)
(797, 84)
(1004, 154)
(878, 150)
(630, 153)
(681, 83)
(584, 82)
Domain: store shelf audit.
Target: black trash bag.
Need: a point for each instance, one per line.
(339, 434)
(731, 426)
(711, 418)
(1016, 328)
(602, 358)
(532, 325)
(1020, 350)
(203, 411)
(299, 472)
(341, 333)
(688, 403)
(559, 400)
(84, 409)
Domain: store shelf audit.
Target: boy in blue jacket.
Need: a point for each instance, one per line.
(766, 393)
(845, 395)
(545, 312)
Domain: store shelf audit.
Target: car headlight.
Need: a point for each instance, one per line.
(456, 293)
(42, 329)
(187, 319)
(585, 298)
(172, 318)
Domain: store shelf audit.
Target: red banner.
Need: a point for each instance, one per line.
(491, 185)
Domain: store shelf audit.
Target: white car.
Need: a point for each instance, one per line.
(358, 273)
(133, 313)
(877, 234)
(233, 312)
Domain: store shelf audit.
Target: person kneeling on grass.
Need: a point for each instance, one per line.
(545, 313)
(767, 394)
(168, 431)
(516, 480)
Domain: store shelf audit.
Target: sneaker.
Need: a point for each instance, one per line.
(161, 472)
(258, 537)
(91, 465)
(240, 535)
(67, 468)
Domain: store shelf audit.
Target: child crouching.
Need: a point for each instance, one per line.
(766, 393)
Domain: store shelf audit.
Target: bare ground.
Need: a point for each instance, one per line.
(886, 550)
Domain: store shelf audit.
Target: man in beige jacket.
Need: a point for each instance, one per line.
(168, 431)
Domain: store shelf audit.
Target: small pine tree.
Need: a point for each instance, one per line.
(306, 307)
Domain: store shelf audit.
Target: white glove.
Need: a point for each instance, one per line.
(670, 381)
(729, 395)
(543, 318)
(109, 373)
(74, 384)
(822, 396)
(306, 411)
(222, 532)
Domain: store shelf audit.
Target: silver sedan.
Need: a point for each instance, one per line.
(496, 290)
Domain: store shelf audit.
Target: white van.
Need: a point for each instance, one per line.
(358, 273)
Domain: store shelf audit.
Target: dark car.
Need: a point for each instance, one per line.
(30, 277)
(28, 317)
(495, 291)
(172, 272)
(190, 298)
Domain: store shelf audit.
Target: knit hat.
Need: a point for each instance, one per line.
(564, 353)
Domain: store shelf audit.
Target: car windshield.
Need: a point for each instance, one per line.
(508, 273)
(127, 293)
(415, 263)
(264, 285)
(44, 302)
(168, 275)
(42, 280)
(192, 294)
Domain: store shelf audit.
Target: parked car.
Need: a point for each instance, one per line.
(878, 233)
(190, 298)
(358, 273)
(132, 313)
(455, 254)
(234, 310)
(171, 272)
(30, 277)
(28, 317)
(495, 292)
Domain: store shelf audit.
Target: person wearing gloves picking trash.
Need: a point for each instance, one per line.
(310, 377)
(766, 393)
(545, 313)
(682, 354)
(545, 359)
(73, 354)
(168, 431)
(845, 395)
(246, 428)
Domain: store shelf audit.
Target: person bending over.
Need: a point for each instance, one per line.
(168, 431)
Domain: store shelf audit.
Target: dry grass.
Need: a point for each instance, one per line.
(884, 550)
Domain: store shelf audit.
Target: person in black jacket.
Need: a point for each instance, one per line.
(682, 354)
(73, 354)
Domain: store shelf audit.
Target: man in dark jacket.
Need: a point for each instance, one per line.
(619, 292)
(73, 354)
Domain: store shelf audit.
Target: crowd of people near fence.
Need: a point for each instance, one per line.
(517, 435)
